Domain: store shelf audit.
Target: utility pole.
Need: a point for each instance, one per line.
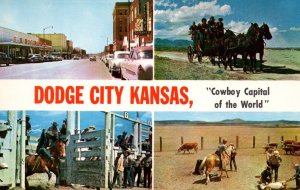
(44, 37)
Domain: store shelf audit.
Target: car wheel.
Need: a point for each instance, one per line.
(121, 75)
(7, 64)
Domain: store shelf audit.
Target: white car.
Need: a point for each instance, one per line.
(115, 63)
(139, 65)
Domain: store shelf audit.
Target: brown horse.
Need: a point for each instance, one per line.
(213, 160)
(40, 164)
(129, 142)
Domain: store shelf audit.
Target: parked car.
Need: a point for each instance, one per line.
(34, 58)
(115, 63)
(93, 58)
(46, 58)
(107, 58)
(59, 58)
(139, 65)
(75, 57)
(51, 58)
(4, 59)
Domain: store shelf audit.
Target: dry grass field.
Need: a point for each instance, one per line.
(174, 170)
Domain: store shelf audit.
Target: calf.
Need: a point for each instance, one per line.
(188, 147)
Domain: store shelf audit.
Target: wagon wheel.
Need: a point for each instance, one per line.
(190, 54)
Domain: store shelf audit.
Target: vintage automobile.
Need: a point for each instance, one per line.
(34, 58)
(107, 58)
(4, 59)
(114, 64)
(139, 65)
(93, 58)
(75, 57)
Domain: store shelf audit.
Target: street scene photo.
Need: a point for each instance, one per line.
(75, 150)
(227, 40)
(227, 150)
(69, 39)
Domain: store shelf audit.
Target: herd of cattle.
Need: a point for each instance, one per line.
(289, 146)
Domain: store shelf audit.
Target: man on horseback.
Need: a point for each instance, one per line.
(42, 147)
(52, 133)
(221, 149)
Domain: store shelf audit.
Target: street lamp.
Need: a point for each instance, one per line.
(44, 37)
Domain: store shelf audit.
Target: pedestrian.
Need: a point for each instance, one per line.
(232, 157)
(138, 170)
(118, 170)
(274, 162)
(132, 169)
(126, 169)
(296, 176)
(147, 165)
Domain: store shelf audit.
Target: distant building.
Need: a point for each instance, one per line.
(20, 45)
(69, 48)
(59, 43)
(120, 24)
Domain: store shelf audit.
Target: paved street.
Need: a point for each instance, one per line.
(67, 69)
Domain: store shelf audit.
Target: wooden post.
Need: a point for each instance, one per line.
(253, 141)
(201, 143)
(11, 138)
(219, 140)
(160, 144)
(268, 139)
(181, 140)
(237, 142)
(22, 148)
(107, 148)
(71, 126)
(282, 138)
(296, 138)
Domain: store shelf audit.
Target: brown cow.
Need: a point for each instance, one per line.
(287, 142)
(188, 147)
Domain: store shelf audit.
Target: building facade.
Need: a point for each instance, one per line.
(141, 23)
(120, 24)
(19, 45)
(59, 42)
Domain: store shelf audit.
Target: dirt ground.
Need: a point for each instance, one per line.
(173, 170)
(278, 65)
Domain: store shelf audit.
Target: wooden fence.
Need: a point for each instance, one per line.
(237, 141)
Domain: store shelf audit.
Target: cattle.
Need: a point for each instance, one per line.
(287, 142)
(271, 145)
(188, 147)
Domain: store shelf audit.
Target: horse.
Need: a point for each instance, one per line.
(41, 164)
(264, 33)
(129, 142)
(212, 160)
(229, 43)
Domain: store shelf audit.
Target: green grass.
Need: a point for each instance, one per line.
(168, 69)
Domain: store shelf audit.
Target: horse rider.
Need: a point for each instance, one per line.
(221, 149)
(147, 165)
(63, 129)
(52, 133)
(274, 162)
(266, 176)
(42, 147)
(194, 34)
(296, 176)
(118, 170)
(232, 157)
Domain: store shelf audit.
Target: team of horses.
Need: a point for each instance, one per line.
(227, 47)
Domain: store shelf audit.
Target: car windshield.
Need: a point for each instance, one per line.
(123, 55)
(146, 54)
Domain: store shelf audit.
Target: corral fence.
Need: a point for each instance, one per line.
(12, 151)
(90, 157)
(237, 142)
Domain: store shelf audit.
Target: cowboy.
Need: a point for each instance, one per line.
(296, 176)
(118, 169)
(211, 24)
(269, 154)
(266, 176)
(138, 169)
(221, 149)
(63, 129)
(127, 179)
(42, 146)
(274, 162)
(52, 133)
(132, 168)
(220, 27)
(28, 125)
(232, 157)
(147, 165)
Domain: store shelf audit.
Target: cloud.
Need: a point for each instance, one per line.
(189, 14)
(295, 29)
(239, 27)
(165, 3)
(177, 33)
(119, 125)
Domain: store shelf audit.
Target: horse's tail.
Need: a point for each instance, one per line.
(203, 163)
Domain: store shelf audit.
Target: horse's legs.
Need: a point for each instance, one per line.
(261, 60)
(57, 178)
(207, 175)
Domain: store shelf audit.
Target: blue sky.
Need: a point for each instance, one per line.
(43, 119)
(173, 17)
(219, 116)
(86, 22)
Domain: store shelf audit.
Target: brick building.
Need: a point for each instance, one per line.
(120, 24)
